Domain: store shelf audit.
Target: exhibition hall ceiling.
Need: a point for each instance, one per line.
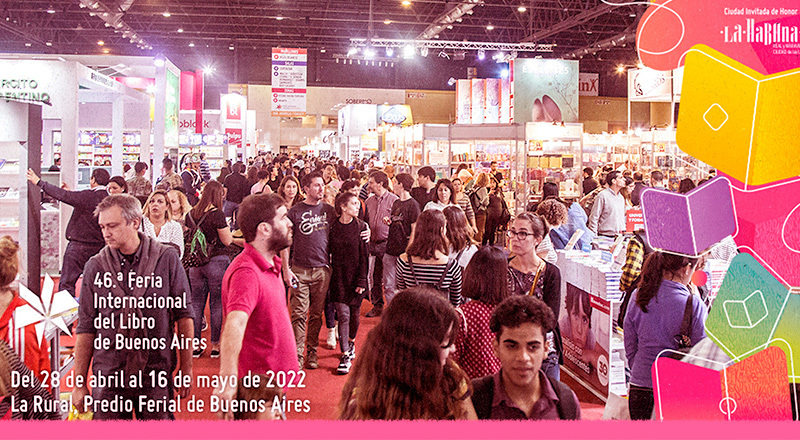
(573, 29)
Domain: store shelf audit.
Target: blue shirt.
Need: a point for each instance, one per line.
(647, 334)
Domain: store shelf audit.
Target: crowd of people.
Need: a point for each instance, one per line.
(276, 248)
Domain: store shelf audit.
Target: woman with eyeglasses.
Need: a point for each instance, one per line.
(529, 274)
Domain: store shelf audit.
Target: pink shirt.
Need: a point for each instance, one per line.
(253, 285)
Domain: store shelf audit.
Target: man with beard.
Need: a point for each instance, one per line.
(257, 336)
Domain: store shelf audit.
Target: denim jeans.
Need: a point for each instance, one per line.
(75, 257)
(348, 323)
(308, 299)
(550, 366)
(389, 277)
(228, 208)
(206, 283)
(376, 280)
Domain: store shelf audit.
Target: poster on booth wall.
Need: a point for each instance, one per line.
(545, 90)
(585, 325)
(289, 82)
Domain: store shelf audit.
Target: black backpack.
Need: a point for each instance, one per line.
(475, 200)
(197, 250)
(483, 394)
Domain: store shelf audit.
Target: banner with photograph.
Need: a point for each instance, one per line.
(545, 90)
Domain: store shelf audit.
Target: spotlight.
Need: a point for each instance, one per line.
(279, 18)
(443, 54)
(51, 10)
(231, 47)
(369, 53)
(620, 69)
(352, 51)
(451, 81)
(423, 51)
(504, 73)
(180, 30)
(159, 61)
(101, 42)
(387, 21)
(191, 44)
(408, 51)
(490, 27)
(166, 14)
(481, 54)
(208, 70)
(522, 9)
(406, 3)
(389, 51)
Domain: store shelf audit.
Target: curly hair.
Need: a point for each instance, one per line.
(553, 212)
(9, 263)
(399, 376)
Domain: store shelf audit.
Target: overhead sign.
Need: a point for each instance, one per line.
(649, 85)
(588, 84)
(289, 78)
(395, 114)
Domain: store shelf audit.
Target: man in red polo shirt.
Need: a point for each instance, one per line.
(257, 337)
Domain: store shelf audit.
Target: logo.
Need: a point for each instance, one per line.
(393, 116)
(311, 223)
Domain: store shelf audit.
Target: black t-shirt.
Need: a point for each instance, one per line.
(214, 220)
(422, 196)
(404, 214)
(310, 226)
(237, 186)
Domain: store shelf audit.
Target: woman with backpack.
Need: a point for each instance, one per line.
(662, 314)
(262, 186)
(479, 198)
(529, 274)
(207, 264)
(497, 215)
(426, 260)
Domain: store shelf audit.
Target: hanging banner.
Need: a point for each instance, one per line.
(464, 101)
(545, 90)
(172, 110)
(505, 101)
(588, 84)
(289, 82)
(491, 113)
(478, 101)
(233, 107)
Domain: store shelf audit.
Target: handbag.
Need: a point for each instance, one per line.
(682, 339)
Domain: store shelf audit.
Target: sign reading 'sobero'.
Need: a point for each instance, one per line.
(23, 89)
(545, 90)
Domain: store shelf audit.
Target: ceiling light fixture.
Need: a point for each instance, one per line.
(230, 47)
(166, 14)
(323, 50)
(423, 51)
(49, 43)
(409, 51)
(101, 42)
(369, 53)
(180, 30)
(481, 54)
(387, 21)
(406, 3)
(51, 10)
(279, 18)
(352, 51)
(191, 44)
(389, 51)
(490, 27)
(105, 50)
(522, 9)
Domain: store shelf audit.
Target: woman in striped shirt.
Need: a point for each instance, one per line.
(426, 262)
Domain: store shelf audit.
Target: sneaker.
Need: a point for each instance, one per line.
(205, 324)
(352, 351)
(375, 312)
(312, 363)
(301, 360)
(344, 364)
(197, 353)
(330, 344)
(215, 352)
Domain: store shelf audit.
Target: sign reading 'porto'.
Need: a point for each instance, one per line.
(289, 82)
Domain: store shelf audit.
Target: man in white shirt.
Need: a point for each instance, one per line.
(608, 212)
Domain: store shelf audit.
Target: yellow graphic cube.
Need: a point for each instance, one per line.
(741, 122)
